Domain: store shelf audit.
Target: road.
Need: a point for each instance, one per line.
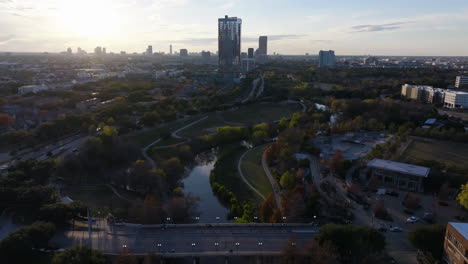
(191, 240)
(274, 184)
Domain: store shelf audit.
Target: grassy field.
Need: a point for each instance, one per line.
(226, 171)
(446, 151)
(204, 127)
(145, 137)
(262, 112)
(98, 198)
(252, 168)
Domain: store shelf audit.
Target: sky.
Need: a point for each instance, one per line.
(350, 27)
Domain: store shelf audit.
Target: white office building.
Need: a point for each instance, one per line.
(456, 99)
(461, 81)
(32, 89)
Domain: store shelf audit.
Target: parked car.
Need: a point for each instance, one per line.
(408, 212)
(392, 193)
(395, 229)
(429, 217)
(382, 229)
(443, 203)
(412, 219)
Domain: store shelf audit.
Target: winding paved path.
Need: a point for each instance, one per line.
(243, 177)
(273, 182)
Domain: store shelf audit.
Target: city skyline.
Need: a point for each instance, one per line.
(363, 27)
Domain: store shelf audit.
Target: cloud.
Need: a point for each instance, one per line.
(379, 27)
(6, 39)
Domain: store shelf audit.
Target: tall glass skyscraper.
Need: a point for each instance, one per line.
(327, 58)
(229, 45)
(262, 49)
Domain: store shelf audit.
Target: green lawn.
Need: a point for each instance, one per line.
(204, 127)
(226, 171)
(252, 168)
(446, 151)
(146, 137)
(98, 198)
(261, 112)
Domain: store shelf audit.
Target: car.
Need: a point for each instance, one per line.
(443, 203)
(395, 229)
(412, 219)
(408, 212)
(382, 229)
(392, 193)
(429, 217)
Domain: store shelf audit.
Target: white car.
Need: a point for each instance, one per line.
(395, 229)
(412, 219)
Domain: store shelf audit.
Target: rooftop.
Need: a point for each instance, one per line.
(399, 167)
(462, 228)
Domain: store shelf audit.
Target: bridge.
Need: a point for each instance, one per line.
(191, 240)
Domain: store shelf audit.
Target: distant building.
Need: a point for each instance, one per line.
(229, 45)
(456, 99)
(399, 175)
(250, 53)
(206, 55)
(97, 51)
(170, 49)
(262, 51)
(85, 105)
(32, 89)
(327, 58)
(461, 82)
(149, 50)
(456, 243)
(104, 51)
(371, 61)
(69, 51)
(183, 52)
(423, 93)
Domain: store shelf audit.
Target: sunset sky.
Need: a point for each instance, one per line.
(377, 27)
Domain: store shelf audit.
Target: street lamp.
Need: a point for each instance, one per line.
(216, 245)
(159, 247)
(124, 246)
(293, 244)
(218, 218)
(237, 247)
(255, 218)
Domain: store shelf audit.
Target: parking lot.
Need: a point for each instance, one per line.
(353, 145)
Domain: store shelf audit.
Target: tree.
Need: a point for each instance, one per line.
(79, 255)
(462, 197)
(18, 246)
(351, 242)
(287, 180)
(126, 257)
(412, 201)
(6, 119)
(429, 239)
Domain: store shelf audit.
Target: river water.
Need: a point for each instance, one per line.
(198, 183)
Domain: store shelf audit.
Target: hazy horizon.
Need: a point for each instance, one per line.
(396, 28)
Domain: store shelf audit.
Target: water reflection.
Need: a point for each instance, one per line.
(198, 183)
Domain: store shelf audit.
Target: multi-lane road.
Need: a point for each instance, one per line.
(191, 240)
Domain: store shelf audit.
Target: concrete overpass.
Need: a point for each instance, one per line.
(194, 240)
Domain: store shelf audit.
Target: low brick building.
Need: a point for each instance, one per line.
(456, 244)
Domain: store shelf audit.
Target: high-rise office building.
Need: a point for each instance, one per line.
(263, 45)
(250, 53)
(69, 51)
(262, 50)
(170, 49)
(104, 51)
(149, 50)
(229, 45)
(97, 51)
(183, 52)
(327, 58)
